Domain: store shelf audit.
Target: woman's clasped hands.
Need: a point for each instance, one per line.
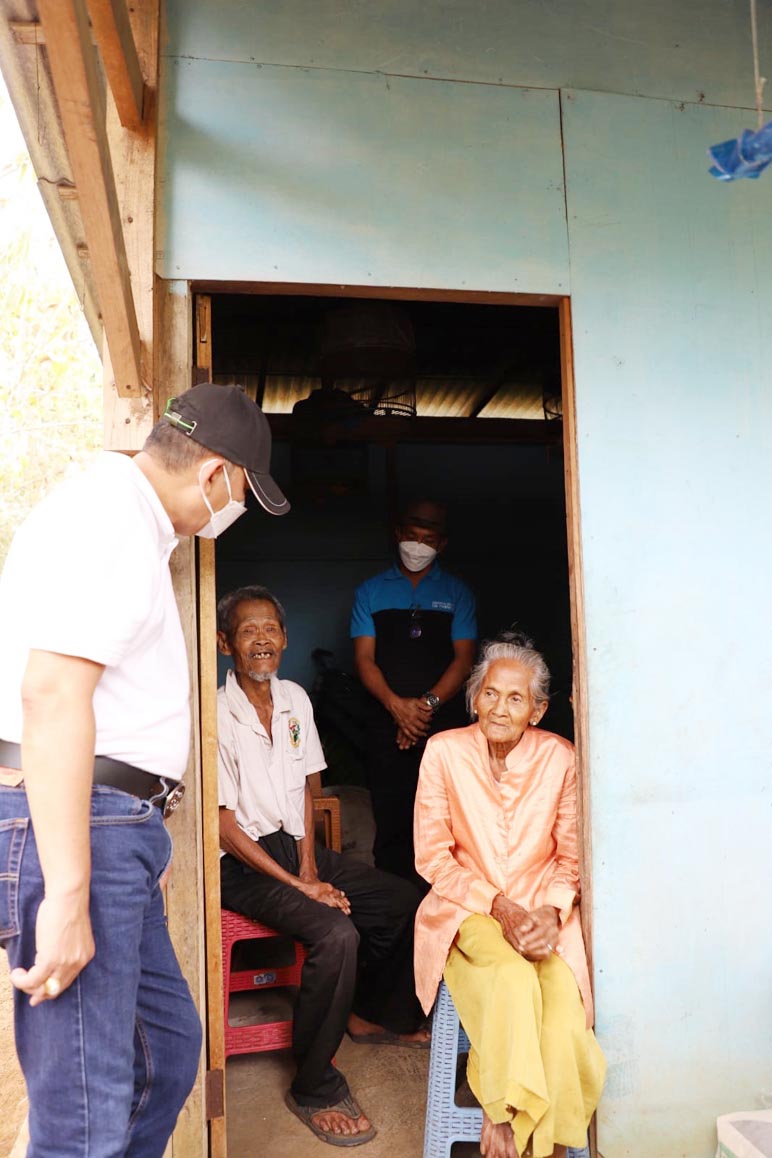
(533, 935)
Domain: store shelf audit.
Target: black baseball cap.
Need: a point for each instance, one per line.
(224, 419)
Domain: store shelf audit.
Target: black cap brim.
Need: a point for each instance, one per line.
(267, 493)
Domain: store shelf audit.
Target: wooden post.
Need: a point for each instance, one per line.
(211, 844)
(576, 589)
(185, 891)
(203, 367)
(207, 650)
(578, 638)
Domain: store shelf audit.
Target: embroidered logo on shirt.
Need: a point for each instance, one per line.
(294, 731)
(437, 605)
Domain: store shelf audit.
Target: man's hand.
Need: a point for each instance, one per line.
(412, 716)
(403, 740)
(326, 894)
(533, 935)
(57, 751)
(64, 943)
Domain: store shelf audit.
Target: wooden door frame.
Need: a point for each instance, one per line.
(201, 302)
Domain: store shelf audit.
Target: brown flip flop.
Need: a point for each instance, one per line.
(348, 1106)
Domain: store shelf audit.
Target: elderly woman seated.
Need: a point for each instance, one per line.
(495, 836)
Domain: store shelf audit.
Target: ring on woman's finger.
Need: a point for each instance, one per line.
(550, 947)
(53, 987)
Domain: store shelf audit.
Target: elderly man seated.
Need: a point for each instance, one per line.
(355, 922)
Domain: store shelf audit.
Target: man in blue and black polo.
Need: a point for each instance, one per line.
(415, 633)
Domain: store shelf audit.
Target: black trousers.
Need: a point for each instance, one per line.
(392, 777)
(362, 963)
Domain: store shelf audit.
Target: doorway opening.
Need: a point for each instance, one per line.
(371, 403)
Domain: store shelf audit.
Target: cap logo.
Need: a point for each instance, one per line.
(175, 419)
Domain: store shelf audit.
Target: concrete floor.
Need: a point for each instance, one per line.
(389, 1083)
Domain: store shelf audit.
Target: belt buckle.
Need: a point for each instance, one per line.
(173, 799)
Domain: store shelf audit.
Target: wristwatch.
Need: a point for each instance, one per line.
(432, 700)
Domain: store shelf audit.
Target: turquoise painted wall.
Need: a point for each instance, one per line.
(690, 50)
(423, 144)
(271, 171)
(672, 296)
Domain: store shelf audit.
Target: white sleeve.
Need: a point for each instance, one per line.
(227, 767)
(315, 761)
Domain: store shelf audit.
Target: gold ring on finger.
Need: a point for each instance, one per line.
(53, 987)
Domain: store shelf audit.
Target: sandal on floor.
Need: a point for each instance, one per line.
(386, 1037)
(348, 1106)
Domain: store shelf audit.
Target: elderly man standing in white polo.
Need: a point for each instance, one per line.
(94, 736)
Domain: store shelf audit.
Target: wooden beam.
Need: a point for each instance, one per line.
(133, 159)
(395, 293)
(76, 83)
(27, 32)
(395, 431)
(66, 191)
(115, 40)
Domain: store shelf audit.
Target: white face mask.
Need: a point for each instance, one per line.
(220, 520)
(416, 556)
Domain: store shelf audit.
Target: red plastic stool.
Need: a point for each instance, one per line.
(265, 1035)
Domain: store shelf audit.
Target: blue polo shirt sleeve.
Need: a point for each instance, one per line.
(362, 622)
(465, 615)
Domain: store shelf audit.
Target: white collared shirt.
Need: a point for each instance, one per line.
(263, 779)
(88, 575)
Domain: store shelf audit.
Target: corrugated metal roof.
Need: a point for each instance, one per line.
(435, 397)
(470, 360)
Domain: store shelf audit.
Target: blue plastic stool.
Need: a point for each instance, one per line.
(447, 1122)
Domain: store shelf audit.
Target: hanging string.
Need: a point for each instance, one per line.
(759, 81)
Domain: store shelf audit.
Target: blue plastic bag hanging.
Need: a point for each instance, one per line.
(749, 154)
(744, 156)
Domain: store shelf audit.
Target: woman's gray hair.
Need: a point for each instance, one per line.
(229, 603)
(515, 646)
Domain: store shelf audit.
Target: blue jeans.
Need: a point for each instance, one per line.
(109, 1063)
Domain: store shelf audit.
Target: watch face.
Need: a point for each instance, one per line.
(432, 700)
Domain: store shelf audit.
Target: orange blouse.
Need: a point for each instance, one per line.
(476, 837)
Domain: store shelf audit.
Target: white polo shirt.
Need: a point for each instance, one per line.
(88, 575)
(262, 780)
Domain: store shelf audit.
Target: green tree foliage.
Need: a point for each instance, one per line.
(50, 374)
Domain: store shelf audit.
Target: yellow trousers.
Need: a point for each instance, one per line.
(532, 1061)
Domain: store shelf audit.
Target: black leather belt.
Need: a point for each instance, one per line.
(166, 794)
